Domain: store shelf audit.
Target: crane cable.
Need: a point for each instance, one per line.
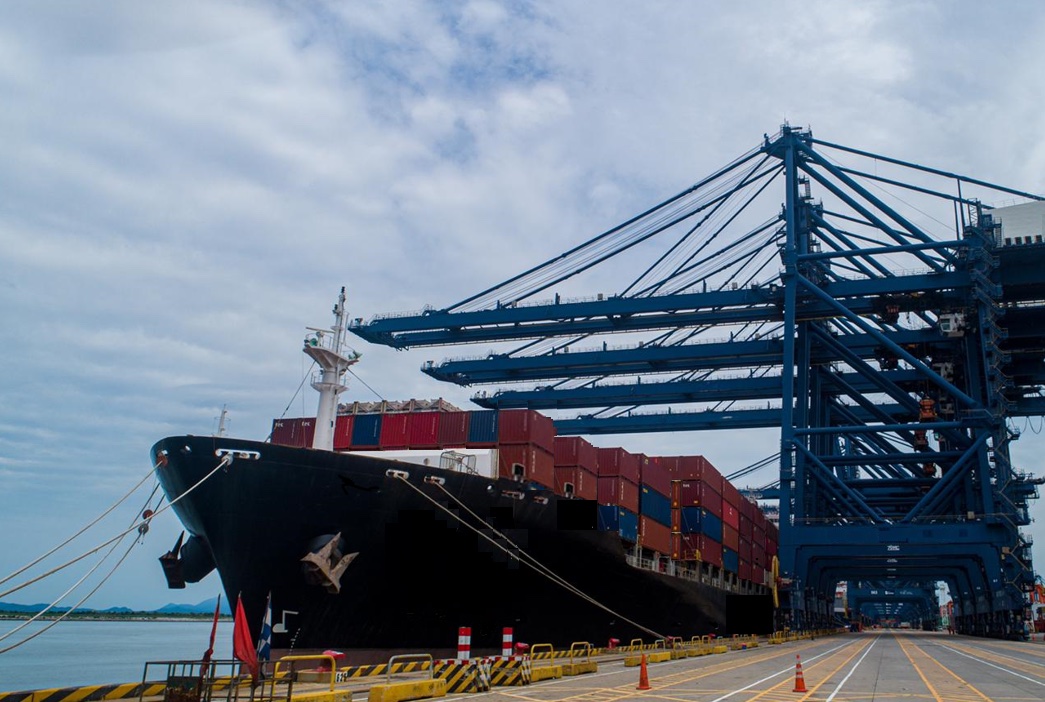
(224, 462)
(530, 561)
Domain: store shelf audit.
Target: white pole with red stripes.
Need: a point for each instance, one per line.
(464, 643)
(506, 641)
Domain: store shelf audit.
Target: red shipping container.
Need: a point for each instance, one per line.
(758, 536)
(617, 461)
(657, 475)
(343, 432)
(730, 494)
(744, 550)
(654, 535)
(710, 550)
(698, 468)
(771, 550)
(526, 463)
(684, 547)
(615, 490)
(730, 515)
(584, 484)
(692, 493)
(730, 538)
(758, 556)
(526, 427)
(575, 451)
(422, 429)
(772, 531)
(745, 571)
(453, 429)
(394, 431)
(748, 509)
(298, 433)
(747, 528)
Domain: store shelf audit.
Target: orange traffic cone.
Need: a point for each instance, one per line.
(643, 675)
(800, 681)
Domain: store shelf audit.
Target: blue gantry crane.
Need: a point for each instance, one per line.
(891, 329)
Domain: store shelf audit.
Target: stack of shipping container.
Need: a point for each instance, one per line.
(618, 492)
(696, 511)
(576, 468)
(526, 447)
(677, 507)
(655, 506)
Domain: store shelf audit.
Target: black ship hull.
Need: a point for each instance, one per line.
(424, 567)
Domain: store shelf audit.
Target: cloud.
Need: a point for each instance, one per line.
(186, 185)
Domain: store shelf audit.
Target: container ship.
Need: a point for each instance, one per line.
(560, 540)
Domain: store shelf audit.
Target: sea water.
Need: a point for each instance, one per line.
(74, 653)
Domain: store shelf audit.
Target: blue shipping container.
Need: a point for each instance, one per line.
(366, 431)
(628, 523)
(482, 427)
(608, 518)
(730, 560)
(655, 506)
(697, 520)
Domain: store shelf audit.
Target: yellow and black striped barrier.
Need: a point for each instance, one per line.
(363, 671)
(510, 671)
(464, 675)
(91, 693)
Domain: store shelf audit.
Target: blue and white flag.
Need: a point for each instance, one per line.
(265, 637)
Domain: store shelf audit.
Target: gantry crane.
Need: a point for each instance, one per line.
(886, 328)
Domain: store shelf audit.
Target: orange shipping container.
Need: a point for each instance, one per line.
(654, 536)
(581, 483)
(526, 463)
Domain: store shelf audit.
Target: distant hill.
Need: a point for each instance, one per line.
(205, 607)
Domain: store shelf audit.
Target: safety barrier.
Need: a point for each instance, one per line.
(409, 689)
(87, 693)
(580, 649)
(740, 643)
(314, 676)
(543, 666)
(363, 671)
(472, 675)
(510, 670)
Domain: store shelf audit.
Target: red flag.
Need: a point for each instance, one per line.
(213, 630)
(242, 642)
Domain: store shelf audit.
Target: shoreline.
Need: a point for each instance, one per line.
(136, 617)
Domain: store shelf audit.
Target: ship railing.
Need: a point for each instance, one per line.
(201, 681)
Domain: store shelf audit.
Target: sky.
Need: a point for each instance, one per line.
(185, 186)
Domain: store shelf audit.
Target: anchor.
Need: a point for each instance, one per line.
(326, 566)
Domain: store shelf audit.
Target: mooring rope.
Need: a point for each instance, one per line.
(530, 561)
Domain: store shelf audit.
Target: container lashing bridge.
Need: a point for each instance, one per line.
(886, 328)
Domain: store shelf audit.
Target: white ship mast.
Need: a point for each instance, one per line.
(327, 348)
